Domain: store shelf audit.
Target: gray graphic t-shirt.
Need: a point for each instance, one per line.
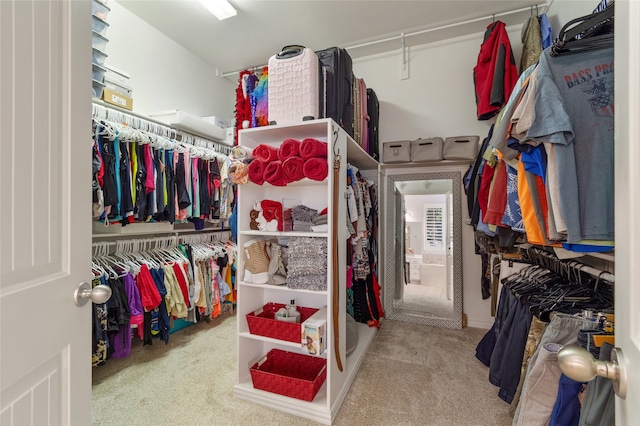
(574, 111)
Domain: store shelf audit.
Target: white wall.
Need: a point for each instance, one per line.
(164, 75)
(438, 100)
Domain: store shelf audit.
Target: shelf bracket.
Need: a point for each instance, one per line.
(404, 64)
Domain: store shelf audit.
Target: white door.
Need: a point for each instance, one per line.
(45, 230)
(627, 160)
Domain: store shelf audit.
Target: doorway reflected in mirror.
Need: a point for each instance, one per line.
(423, 279)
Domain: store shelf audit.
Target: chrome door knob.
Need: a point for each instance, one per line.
(98, 294)
(578, 364)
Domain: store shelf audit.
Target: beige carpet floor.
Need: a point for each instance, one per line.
(412, 375)
(426, 300)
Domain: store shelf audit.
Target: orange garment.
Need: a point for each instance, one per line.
(536, 227)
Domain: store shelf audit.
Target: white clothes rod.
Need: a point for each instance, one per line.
(425, 31)
(447, 26)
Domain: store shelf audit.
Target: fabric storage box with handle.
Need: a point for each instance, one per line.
(263, 323)
(289, 374)
(429, 149)
(396, 152)
(461, 148)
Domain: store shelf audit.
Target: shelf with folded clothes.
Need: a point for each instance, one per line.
(284, 163)
(310, 267)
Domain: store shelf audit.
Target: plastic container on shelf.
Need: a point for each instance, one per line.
(99, 25)
(100, 9)
(98, 88)
(98, 72)
(289, 374)
(98, 57)
(98, 41)
(117, 76)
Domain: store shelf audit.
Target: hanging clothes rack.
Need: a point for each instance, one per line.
(403, 35)
(205, 237)
(104, 111)
(551, 261)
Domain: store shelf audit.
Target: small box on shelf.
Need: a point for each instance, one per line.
(118, 99)
(314, 333)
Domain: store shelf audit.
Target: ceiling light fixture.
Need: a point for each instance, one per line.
(221, 9)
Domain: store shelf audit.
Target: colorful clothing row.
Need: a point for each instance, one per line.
(137, 182)
(547, 167)
(150, 298)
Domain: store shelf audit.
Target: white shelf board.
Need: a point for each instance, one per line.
(608, 256)
(301, 182)
(248, 335)
(132, 228)
(293, 345)
(358, 157)
(427, 164)
(286, 234)
(283, 288)
(276, 133)
(316, 410)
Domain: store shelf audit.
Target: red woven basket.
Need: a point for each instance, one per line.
(289, 374)
(263, 323)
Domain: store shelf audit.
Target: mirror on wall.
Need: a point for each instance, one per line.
(423, 267)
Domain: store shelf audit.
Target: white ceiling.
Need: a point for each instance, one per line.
(262, 27)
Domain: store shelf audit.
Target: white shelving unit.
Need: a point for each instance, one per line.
(317, 195)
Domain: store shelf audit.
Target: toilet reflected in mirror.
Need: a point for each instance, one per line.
(423, 280)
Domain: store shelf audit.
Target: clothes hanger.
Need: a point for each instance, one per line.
(586, 33)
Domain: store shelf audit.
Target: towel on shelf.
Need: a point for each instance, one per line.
(256, 171)
(310, 148)
(273, 174)
(241, 153)
(293, 169)
(239, 172)
(272, 210)
(266, 153)
(316, 169)
(320, 219)
(289, 148)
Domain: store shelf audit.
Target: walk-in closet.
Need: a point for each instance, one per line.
(347, 213)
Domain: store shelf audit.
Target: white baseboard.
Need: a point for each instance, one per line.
(480, 324)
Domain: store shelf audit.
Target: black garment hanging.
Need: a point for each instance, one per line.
(181, 186)
(170, 209)
(109, 188)
(160, 167)
(141, 176)
(205, 197)
(126, 202)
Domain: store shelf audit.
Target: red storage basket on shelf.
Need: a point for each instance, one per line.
(289, 374)
(263, 323)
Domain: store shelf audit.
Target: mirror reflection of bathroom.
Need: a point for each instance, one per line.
(426, 247)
